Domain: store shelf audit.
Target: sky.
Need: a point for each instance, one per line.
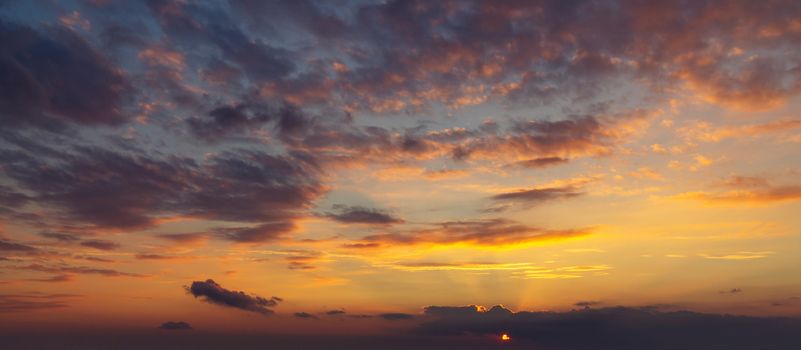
(206, 174)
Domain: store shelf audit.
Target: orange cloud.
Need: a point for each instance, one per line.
(491, 232)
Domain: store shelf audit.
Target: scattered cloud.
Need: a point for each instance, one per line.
(211, 292)
(33, 302)
(100, 244)
(362, 215)
(490, 232)
(305, 315)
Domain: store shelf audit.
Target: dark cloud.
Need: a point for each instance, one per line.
(9, 246)
(100, 244)
(54, 75)
(305, 315)
(396, 316)
(227, 120)
(11, 198)
(213, 293)
(175, 326)
(335, 312)
(616, 328)
(59, 236)
(107, 189)
(257, 234)
(362, 215)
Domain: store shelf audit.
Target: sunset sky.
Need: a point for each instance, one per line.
(329, 168)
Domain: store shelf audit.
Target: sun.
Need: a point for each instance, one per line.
(505, 337)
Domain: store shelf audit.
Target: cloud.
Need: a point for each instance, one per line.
(396, 316)
(538, 195)
(362, 215)
(53, 279)
(84, 270)
(731, 291)
(768, 194)
(175, 326)
(11, 198)
(305, 315)
(537, 163)
(361, 245)
(54, 76)
(145, 256)
(213, 293)
(738, 256)
(33, 302)
(184, 238)
(335, 312)
(703, 131)
(302, 262)
(63, 237)
(227, 120)
(115, 190)
(614, 328)
(100, 244)
(587, 304)
(9, 246)
(489, 232)
(747, 190)
(258, 234)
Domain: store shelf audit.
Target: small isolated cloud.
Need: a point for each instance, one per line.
(175, 326)
(539, 195)
(100, 244)
(587, 304)
(361, 245)
(213, 293)
(149, 256)
(537, 163)
(305, 315)
(362, 215)
(335, 312)
(731, 291)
